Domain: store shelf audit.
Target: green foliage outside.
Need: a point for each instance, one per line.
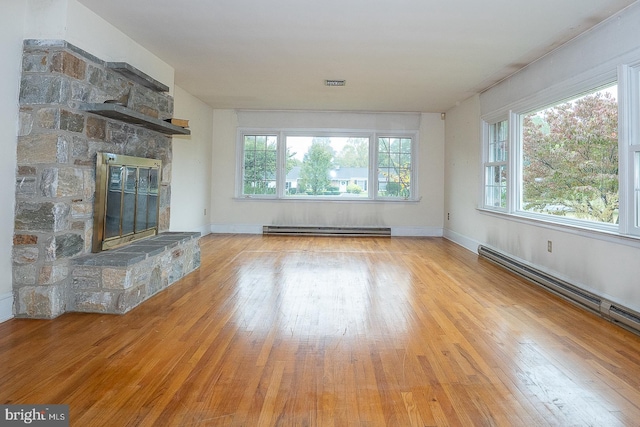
(314, 173)
(570, 159)
(394, 163)
(259, 164)
(355, 154)
(354, 189)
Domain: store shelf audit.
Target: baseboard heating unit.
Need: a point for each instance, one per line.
(325, 231)
(623, 316)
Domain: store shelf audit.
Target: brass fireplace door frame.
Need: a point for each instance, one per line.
(103, 162)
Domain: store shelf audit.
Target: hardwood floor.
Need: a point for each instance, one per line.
(327, 331)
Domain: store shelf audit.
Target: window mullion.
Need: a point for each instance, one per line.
(514, 168)
(281, 161)
(372, 191)
(629, 148)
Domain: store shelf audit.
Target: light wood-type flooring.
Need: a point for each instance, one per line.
(331, 331)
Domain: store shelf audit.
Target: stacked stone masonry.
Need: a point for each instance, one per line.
(55, 178)
(118, 280)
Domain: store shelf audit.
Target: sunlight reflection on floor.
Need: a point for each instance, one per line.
(317, 294)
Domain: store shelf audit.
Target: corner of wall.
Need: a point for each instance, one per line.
(6, 306)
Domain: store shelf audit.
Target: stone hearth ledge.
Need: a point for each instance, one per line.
(118, 280)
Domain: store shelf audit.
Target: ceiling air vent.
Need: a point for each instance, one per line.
(335, 82)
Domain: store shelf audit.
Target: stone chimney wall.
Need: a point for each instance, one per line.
(56, 156)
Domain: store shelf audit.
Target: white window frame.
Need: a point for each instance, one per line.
(571, 93)
(629, 147)
(372, 189)
(323, 133)
(487, 123)
(373, 175)
(627, 78)
(240, 162)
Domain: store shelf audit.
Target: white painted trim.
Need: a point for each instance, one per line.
(6, 306)
(236, 228)
(416, 231)
(203, 229)
(464, 241)
(472, 245)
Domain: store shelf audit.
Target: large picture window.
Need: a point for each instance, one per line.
(570, 158)
(327, 165)
(320, 166)
(566, 167)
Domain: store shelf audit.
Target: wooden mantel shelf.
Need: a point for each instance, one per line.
(127, 115)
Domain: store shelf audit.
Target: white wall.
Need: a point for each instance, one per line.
(11, 30)
(71, 21)
(462, 173)
(191, 174)
(232, 215)
(602, 264)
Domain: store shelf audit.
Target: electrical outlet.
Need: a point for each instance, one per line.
(448, 217)
(549, 246)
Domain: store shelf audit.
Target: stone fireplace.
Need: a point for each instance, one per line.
(74, 106)
(126, 201)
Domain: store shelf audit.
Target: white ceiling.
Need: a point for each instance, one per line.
(396, 55)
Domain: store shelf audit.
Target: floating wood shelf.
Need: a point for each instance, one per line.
(137, 76)
(127, 115)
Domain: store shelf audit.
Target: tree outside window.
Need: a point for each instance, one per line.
(570, 158)
(259, 166)
(316, 164)
(394, 167)
(325, 165)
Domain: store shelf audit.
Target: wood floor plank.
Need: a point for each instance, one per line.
(329, 331)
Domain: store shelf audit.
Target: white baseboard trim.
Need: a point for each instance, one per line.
(203, 229)
(416, 231)
(6, 306)
(464, 241)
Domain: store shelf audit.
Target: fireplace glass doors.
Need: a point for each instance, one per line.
(127, 199)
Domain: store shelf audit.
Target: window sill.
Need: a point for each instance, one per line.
(321, 200)
(605, 233)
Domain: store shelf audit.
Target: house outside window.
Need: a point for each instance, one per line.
(326, 165)
(321, 165)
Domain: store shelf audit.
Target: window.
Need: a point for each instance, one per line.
(318, 166)
(570, 158)
(321, 165)
(495, 167)
(567, 162)
(259, 164)
(394, 167)
(636, 191)
(630, 148)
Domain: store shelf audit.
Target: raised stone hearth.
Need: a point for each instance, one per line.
(62, 127)
(116, 281)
